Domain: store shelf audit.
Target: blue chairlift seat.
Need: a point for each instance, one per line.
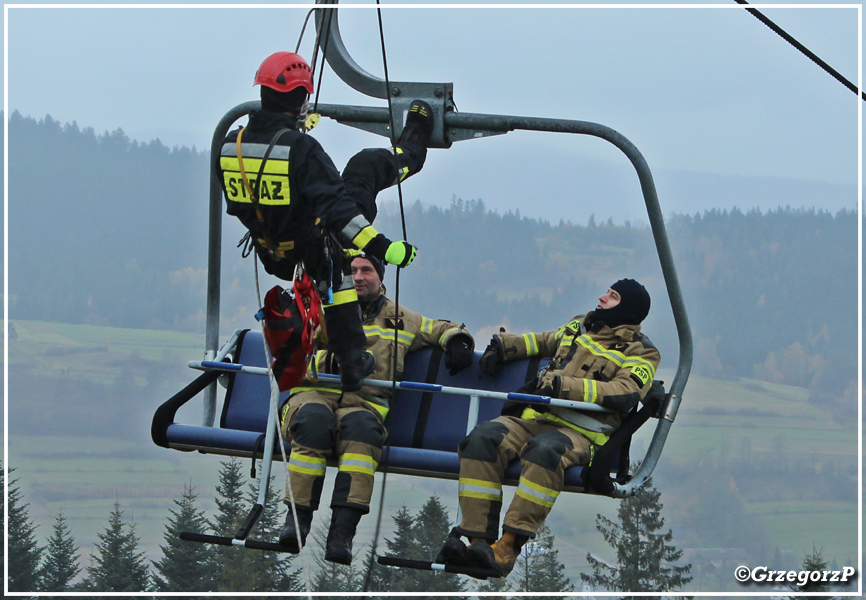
(424, 427)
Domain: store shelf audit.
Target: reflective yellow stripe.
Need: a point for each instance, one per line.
(382, 410)
(404, 337)
(531, 344)
(596, 438)
(590, 390)
(357, 463)
(477, 488)
(536, 493)
(273, 189)
(311, 388)
(307, 465)
(426, 325)
(450, 333)
(365, 236)
(344, 297)
(282, 247)
(642, 369)
(404, 172)
(597, 349)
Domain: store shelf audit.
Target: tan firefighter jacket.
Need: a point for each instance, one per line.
(413, 332)
(611, 367)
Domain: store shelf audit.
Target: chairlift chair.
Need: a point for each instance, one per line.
(426, 422)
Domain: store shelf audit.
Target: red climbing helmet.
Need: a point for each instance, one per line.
(284, 72)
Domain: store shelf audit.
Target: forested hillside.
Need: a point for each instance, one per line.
(106, 230)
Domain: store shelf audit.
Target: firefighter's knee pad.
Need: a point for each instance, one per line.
(483, 442)
(547, 449)
(362, 426)
(313, 427)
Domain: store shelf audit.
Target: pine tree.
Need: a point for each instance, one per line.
(645, 559)
(185, 566)
(494, 585)
(240, 570)
(118, 566)
(233, 573)
(60, 566)
(538, 568)
(387, 578)
(332, 577)
(274, 567)
(431, 527)
(417, 537)
(24, 553)
(813, 562)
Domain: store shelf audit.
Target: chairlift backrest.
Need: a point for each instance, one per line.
(424, 427)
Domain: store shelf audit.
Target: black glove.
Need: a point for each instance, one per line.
(549, 386)
(513, 409)
(493, 357)
(459, 352)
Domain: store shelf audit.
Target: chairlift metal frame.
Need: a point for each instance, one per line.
(450, 127)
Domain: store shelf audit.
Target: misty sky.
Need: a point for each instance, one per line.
(703, 90)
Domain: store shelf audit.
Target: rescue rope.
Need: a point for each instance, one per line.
(326, 31)
(806, 52)
(272, 382)
(386, 450)
(303, 29)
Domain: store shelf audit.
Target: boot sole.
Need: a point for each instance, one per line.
(338, 558)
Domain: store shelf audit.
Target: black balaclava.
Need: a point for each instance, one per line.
(290, 102)
(633, 307)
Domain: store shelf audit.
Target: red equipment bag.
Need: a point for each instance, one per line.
(290, 322)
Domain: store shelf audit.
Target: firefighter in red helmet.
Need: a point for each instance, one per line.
(298, 208)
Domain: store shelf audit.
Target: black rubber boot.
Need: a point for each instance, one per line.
(355, 364)
(344, 522)
(480, 554)
(453, 551)
(419, 125)
(289, 536)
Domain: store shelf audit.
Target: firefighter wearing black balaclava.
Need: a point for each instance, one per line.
(601, 357)
(297, 207)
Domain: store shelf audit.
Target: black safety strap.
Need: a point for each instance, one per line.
(596, 477)
(236, 358)
(260, 442)
(532, 368)
(426, 399)
(254, 197)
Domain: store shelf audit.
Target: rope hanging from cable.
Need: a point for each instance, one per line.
(386, 451)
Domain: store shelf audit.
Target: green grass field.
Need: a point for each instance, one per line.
(82, 475)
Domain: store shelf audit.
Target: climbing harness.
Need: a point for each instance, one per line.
(276, 250)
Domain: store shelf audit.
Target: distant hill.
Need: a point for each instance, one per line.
(108, 231)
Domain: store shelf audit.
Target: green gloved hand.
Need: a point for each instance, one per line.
(400, 253)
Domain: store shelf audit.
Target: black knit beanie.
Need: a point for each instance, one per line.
(633, 307)
(377, 264)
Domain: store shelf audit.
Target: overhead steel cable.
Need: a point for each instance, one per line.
(809, 54)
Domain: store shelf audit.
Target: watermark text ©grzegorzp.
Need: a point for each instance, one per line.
(744, 574)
